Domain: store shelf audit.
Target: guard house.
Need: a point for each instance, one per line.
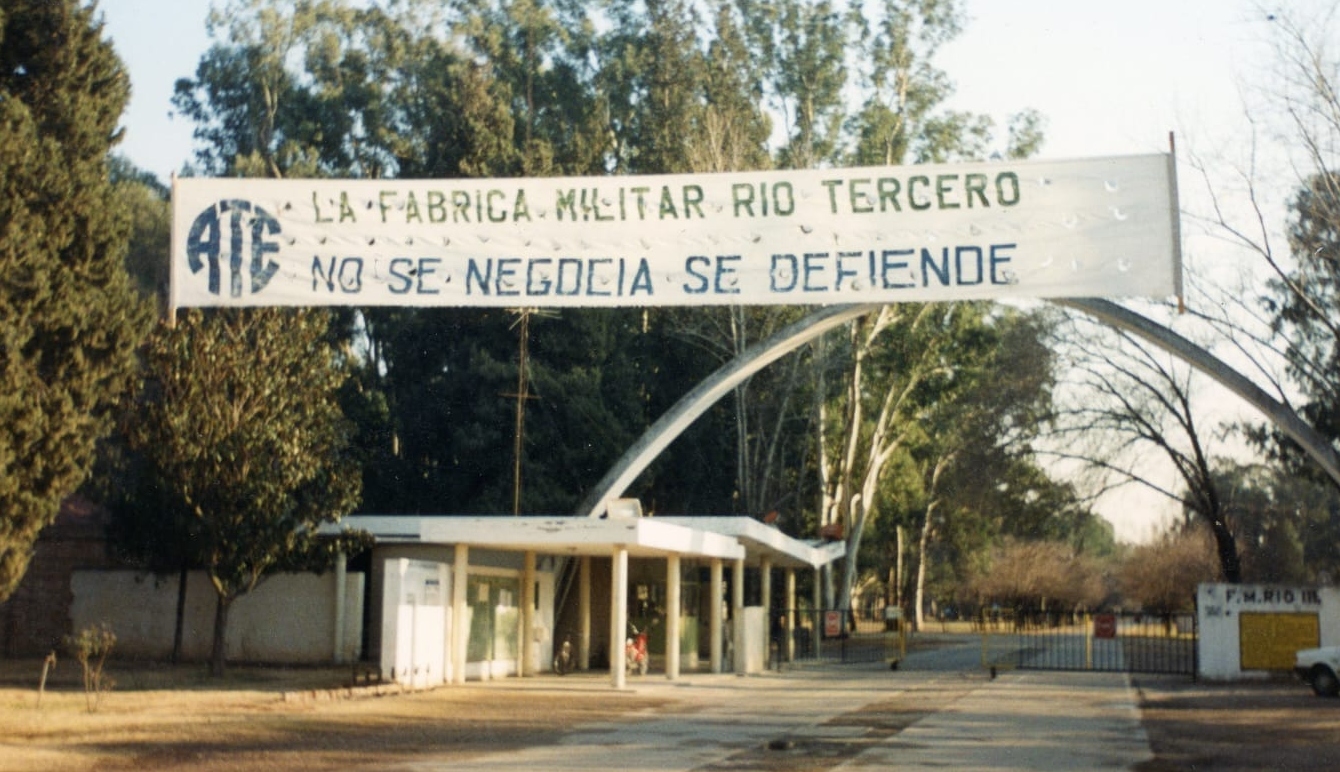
(518, 583)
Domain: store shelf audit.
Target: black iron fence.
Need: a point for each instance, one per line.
(1120, 642)
(834, 635)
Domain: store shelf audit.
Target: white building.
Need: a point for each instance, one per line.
(506, 578)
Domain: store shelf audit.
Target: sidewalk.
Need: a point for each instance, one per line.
(850, 718)
(1030, 720)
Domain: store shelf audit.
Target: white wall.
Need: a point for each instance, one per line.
(289, 618)
(755, 644)
(416, 622)
(1219, 608)
(393, 627)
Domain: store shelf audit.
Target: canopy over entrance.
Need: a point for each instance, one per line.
(725, 538)
(720, 541)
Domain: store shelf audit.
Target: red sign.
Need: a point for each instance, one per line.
(1105, 626)
(832, 624)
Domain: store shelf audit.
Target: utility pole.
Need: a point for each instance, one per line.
(522, 394)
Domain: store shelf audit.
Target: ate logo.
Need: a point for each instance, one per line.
(237, 238)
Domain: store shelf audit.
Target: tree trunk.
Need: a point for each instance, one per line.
(895, 589)
(180, 624)
(218, 652)
(829, 594)
(1227, 546)
(849, 568)
(922, 553)
(918, 619)
(901, 568)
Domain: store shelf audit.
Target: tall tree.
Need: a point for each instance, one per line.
(69, 317)
(1304, 300)
(974, 448)
(807, 48)
(684, 104)
(1039, 575)
(148, 528)
(150, 230)
(1306, 287)
(1286, 522)
(1162, 576)
(401, 100)
(1134, 399)
(901, 362)
(652, 76)
(800, 49)
(540, 52)
(1294, 111)
(903, 91)
(299, 88)
(553, 87)
(240, 422)
(733, 128)
(242, 89)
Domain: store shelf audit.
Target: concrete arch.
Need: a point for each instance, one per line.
(1298, 430)
(705, 394)
(669, 426)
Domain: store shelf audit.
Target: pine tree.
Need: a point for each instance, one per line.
(69, 318)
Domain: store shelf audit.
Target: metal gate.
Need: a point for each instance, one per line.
(1132, 643)
(835, 635)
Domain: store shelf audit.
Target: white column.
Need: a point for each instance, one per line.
(672, 617)
(341, 579)
(527, 665)
(460, 626)
(393, 576)
(584, 613)
(618, 616)
(443, 655)
(765, 581)
(790, 614)
(737, 616)
(714, 616)
(817, 633)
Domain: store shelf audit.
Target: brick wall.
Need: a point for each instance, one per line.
(35, 619)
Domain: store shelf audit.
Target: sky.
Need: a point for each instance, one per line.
(1110, 78)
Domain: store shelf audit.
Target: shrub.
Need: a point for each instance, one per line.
(91, 647)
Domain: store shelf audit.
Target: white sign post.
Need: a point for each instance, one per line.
(1104, 227)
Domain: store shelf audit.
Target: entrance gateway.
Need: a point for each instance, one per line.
(844, 237)
(468, 597)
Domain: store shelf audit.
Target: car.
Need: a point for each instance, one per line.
(1318, 668)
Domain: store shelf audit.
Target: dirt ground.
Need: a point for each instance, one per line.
(179, 719)
(1271, 725)
(159, 718)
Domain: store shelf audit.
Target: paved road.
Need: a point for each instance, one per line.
(1024, 721)
(937, 711)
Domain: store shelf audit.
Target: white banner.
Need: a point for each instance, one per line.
(1104, 227)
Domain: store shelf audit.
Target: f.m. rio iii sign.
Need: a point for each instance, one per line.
(1095, 227)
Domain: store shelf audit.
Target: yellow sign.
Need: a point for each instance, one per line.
(1269, 641)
